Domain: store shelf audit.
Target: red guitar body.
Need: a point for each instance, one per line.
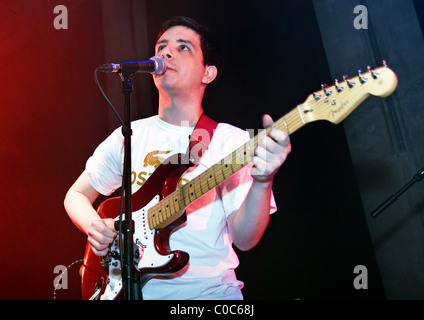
(97, 272)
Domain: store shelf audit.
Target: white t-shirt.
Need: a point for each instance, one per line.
(209, 273)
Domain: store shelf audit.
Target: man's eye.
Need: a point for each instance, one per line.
(184, 47)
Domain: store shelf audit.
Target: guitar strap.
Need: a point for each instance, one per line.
(200, 138)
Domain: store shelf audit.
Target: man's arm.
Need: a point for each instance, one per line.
(248, 223)
(79, 206)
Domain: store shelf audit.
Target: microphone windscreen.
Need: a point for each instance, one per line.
(160, 65)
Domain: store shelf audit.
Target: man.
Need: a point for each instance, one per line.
(235, 212)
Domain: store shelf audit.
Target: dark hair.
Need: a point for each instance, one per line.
(212, 54)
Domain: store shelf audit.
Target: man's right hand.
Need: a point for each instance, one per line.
(101, 233)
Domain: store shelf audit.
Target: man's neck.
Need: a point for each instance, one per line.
(179, 112)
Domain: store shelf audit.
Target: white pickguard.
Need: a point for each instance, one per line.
(148, 256)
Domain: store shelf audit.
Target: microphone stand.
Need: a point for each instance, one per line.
(417, 177)
(130, 275)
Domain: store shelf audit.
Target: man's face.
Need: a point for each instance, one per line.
(180, 47)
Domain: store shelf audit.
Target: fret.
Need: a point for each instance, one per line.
(201, 186)
(232, 169)
(181, 197)
(243, 157)
(185, 194)
(159, 213)
(234, 159)
(175, 201)
(228, 170)
(292, 121)
(300, 114)
(218, 173)
(162, 214)
(196, 193)
(191, 192)
(212, 174)
(209, 178)
(168, 212)
(205, 182)
(198, 184)
(222, 167)
(151, 217)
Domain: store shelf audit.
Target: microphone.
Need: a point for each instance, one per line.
(156, 65)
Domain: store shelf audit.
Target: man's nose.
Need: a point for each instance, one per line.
(166, 52)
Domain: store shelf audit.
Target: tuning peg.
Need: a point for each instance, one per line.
(375, 75)
(326, 91)
(349, 82)
(338, 86)
(362, 79)
(317, 96)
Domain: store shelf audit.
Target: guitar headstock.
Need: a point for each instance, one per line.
(335, 103)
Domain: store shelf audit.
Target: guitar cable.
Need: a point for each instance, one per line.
(61, 276)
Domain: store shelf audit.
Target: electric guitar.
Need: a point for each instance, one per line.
(159, 206)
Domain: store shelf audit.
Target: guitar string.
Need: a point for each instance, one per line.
(219, 172)
(222, 170)
(162, 211)
(351, 92)
(293, 120)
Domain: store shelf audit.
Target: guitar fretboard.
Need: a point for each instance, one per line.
(163, 213)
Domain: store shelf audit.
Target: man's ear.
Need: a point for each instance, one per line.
(210, 74)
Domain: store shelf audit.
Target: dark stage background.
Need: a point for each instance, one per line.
(53, 117)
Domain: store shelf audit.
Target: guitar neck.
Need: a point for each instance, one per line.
(330, 103)
(163, 213)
